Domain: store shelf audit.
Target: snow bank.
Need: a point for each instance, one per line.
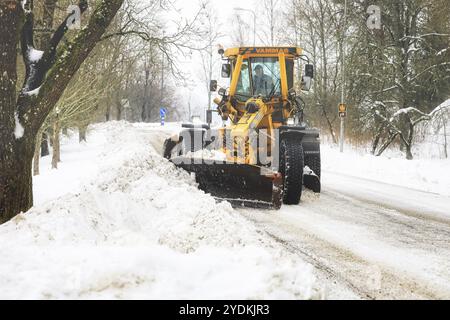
(431, 175)
(136, 227)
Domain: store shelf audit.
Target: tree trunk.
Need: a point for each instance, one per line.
(119, 110)
(37, 155)
(408, 151)
(82, 133)
(376, 141)
(144, 105)
(108, 112)
(330, 125)
(16, 189)
(391, 139)
(409, 143)
(143, 111)
(56, 145)
(16, 154)
(45, 151)
(445, 139)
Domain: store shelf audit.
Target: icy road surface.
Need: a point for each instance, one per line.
(377, 245)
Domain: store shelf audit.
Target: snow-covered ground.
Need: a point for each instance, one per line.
(118, 221)
(430, 175)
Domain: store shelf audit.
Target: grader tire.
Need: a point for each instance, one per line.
(291, 167)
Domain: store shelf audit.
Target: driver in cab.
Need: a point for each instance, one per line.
(262, 83)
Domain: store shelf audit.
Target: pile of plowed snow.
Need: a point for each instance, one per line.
(137, 227)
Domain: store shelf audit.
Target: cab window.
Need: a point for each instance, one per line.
(266, 76)
(243, 89)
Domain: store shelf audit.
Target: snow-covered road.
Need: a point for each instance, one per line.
(368, 239)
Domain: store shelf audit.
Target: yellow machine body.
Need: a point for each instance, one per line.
(244, 122)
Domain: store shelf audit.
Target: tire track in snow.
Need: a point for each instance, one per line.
(337, 262)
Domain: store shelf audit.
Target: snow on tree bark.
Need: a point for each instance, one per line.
(37, 155)
(56, 156)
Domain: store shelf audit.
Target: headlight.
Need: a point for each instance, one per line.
(291, 121)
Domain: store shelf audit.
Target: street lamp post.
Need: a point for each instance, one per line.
(254, 22)
(342, 131)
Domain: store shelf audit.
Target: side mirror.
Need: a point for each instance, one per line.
(308, 77)
(309, 71)
(306, 83)
(292, 94)
(226, 70)
(222, 92)
(213, 86)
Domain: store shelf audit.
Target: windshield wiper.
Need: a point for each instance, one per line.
(274, 89)
(243, 95)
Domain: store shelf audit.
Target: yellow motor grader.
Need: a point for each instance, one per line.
(265, 153)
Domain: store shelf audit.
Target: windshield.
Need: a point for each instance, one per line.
(266, 76)
(259, 76)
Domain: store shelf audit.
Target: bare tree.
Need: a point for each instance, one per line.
(209, 63)
(240, 34)
(319, 24)
(47, 75)
(271, 13)
(414, 117)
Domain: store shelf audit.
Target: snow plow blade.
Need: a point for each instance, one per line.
(240, 184)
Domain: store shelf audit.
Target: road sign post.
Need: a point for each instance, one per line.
(162, 114)
(342, 111)
(342, 106)
(342, 114)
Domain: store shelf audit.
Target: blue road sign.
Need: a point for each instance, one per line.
(162, 114)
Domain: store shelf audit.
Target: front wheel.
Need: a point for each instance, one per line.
(291, 167)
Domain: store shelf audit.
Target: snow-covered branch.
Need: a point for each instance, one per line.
(421, 37)
(38, 63)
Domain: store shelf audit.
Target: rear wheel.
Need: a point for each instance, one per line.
(313, 162)
(291, 167)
